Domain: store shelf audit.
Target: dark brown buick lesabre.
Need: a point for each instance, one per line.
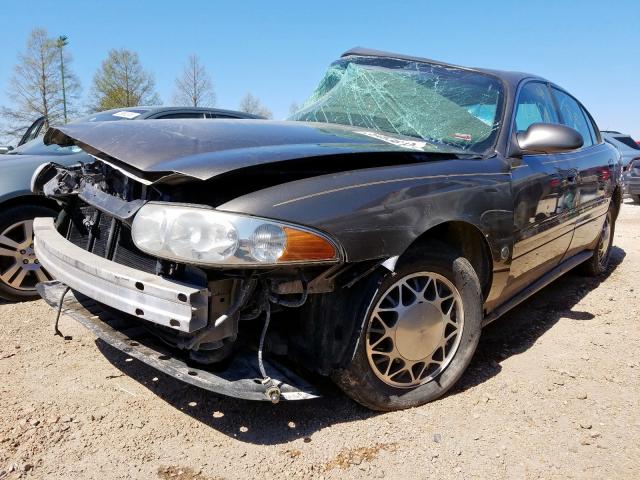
(369, 238)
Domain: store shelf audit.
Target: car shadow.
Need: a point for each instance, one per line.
(248, 421)
(266, 424)
(517, 330)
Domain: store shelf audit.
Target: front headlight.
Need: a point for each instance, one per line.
(205, 236)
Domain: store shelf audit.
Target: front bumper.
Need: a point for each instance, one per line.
(150, 297)
(241, 379)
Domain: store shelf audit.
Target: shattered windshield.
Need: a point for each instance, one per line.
(442, 105)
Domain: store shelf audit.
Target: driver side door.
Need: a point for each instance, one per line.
(544, 191)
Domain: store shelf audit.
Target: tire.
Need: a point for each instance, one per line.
(598, 264)
(416, 332)
(635, 198)
(19, 268)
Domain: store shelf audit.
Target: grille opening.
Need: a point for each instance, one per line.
(107, 237)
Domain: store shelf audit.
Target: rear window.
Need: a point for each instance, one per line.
(180, 115)
(628, 141)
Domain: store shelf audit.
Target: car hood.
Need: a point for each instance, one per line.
(206, 148)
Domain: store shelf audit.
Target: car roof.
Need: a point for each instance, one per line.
(150, 110)
(512, 78)
(614, 134)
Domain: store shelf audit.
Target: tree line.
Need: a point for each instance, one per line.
(43, 84)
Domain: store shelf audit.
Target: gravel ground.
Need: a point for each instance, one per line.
(553, 392)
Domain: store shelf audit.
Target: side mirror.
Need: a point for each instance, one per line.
(548, 138)
(5, 149)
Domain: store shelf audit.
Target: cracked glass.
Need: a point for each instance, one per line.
(449, 108)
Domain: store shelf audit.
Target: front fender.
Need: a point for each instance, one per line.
(378, 212)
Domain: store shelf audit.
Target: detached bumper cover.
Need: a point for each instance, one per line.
(150, 297)
(241, 379)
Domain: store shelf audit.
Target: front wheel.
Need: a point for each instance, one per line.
(635, 198)
(20, 270)
(420, 331)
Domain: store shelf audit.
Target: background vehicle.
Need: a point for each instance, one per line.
(628, 148)
(34, 131)
(633, 180)
(20, 270)
(407, 204)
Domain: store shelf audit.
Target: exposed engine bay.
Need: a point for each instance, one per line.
(237, 305)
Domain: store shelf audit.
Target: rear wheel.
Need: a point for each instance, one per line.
(20, 270)
(419, 334)
(599, 262)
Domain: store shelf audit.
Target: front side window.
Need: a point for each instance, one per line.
(572, 115)
(449, 108)
(534, 106)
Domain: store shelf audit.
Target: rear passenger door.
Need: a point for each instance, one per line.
(594, 163)
(543, 189)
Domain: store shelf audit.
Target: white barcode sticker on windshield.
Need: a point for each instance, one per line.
(400, 142)
(463, 136)
(126, 114)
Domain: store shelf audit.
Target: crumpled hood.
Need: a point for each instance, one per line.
(207, 148)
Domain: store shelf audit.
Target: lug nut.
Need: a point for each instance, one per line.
(36, 261)
(25, 261)
(22, 252)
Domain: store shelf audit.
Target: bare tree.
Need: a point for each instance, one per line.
(194, 87)
(293, 108)
(35, 88)
(251, 104)
(122, 82)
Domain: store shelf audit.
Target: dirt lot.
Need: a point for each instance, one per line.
(553, 392)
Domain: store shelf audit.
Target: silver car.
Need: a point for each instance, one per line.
(629, 151)
(20, 269)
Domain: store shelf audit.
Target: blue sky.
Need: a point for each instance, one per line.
(279, 50)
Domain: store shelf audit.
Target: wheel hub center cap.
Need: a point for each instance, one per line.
(419, 331)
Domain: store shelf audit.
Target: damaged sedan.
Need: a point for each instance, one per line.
(369, 238)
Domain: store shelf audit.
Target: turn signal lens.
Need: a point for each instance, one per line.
(303, 245)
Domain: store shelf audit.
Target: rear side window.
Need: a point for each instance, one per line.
(571, 115)
(534, 106)
(213, 115)
(182, 115)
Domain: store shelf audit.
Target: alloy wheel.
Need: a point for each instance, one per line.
(19, 266)
(605, 241)
(414, 330)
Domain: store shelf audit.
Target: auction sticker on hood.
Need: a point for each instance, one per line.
(126, 114)
(399, 142)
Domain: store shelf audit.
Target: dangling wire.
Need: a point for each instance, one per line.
(56, 331)
(271, 389)
(267, 319)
